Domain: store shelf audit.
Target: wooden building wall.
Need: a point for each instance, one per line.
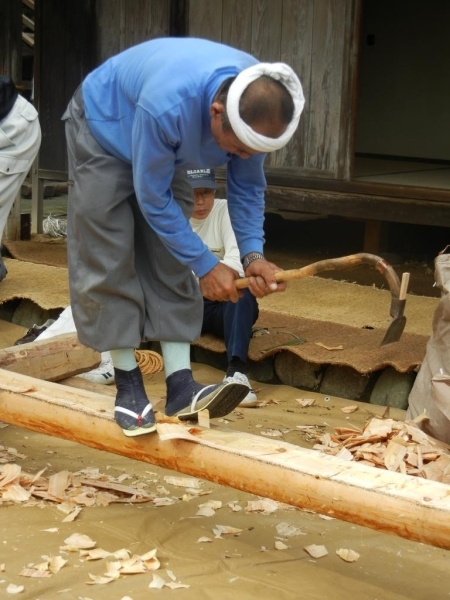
(316, 38)
(10, 38)
(124, 23)
(64, 54)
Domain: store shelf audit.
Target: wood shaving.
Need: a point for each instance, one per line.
(349, 409)
(392, 445)
(304, 402)
(287, 530)
(329, 347)
(220, 530)
(264, 506)
(316, 551)
(188, 482)
(280, 545)
(347, 554)
(70, 491)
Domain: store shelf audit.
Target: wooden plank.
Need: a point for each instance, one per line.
(375, 236)
(108, 28)
(296, 44)
(51, 359)
(266, 30)
(237, 24)
(349, 89)
(144, 20)
(28, 38)
(12, 229)
(326, 85)
(10, 39)
(266, 43)
(358, 206)
(413, 508)
(27, 22)
(303, 178)
(205, 19)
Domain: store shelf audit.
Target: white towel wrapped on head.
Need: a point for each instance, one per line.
(285, 75)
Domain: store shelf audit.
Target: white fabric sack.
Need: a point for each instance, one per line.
(431, 391)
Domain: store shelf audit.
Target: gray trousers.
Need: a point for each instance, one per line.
(125, 286)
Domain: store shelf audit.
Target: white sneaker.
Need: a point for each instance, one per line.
(250, 400)
(103, 374)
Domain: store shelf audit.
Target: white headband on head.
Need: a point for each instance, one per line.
(285, 75)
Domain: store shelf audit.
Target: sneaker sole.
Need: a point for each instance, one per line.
(220, 403)
(251, 404)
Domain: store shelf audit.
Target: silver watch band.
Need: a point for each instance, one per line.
(250, 257)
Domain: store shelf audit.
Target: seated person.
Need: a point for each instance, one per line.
(231, 321)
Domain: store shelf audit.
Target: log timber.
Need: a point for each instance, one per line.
(413, 508)
(51, 359)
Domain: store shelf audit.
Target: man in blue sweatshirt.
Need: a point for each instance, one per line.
(133, 128)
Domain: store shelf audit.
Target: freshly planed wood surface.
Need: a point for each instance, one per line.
(411, 507)
(51, 359)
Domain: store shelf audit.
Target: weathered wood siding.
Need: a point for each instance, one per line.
(10, 38)
(314, 37)
(125, 23)
(64, 54)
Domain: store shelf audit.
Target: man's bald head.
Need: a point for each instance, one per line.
(265, 103)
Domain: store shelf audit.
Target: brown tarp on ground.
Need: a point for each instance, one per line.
(48, 287)
(41, 249)
(361, 348)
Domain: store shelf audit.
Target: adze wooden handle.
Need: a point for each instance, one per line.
(337, 264)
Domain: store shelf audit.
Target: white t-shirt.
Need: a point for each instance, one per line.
(217, 233)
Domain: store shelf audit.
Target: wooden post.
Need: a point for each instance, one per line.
(37, 199)
(411, 507)
(12, 228)
(375, 236)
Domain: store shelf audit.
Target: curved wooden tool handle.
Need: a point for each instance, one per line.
(337, 264)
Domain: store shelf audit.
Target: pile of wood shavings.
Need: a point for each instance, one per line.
(70, 491)
(392, 445)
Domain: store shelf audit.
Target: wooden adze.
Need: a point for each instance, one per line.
(398, 290)
(411, 507)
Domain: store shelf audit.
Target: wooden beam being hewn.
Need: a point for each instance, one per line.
(52, 359)
(413, 508)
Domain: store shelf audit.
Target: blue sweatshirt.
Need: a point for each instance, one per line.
(150, 106)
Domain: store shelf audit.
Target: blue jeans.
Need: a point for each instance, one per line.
(232, 322)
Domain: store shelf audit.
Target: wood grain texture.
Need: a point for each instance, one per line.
(51, 359)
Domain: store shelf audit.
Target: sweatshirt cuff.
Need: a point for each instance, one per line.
(204, 263)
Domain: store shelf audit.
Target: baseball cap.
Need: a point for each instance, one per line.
(202, 178)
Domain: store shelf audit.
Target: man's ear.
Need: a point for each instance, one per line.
(216, 109)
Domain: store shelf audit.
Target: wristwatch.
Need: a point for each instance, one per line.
(249, 258)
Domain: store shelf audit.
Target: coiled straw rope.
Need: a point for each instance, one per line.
(148, 361)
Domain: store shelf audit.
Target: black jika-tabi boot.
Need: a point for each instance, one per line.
(133, 412)
(186, 397)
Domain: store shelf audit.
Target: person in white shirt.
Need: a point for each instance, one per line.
(232, 321)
